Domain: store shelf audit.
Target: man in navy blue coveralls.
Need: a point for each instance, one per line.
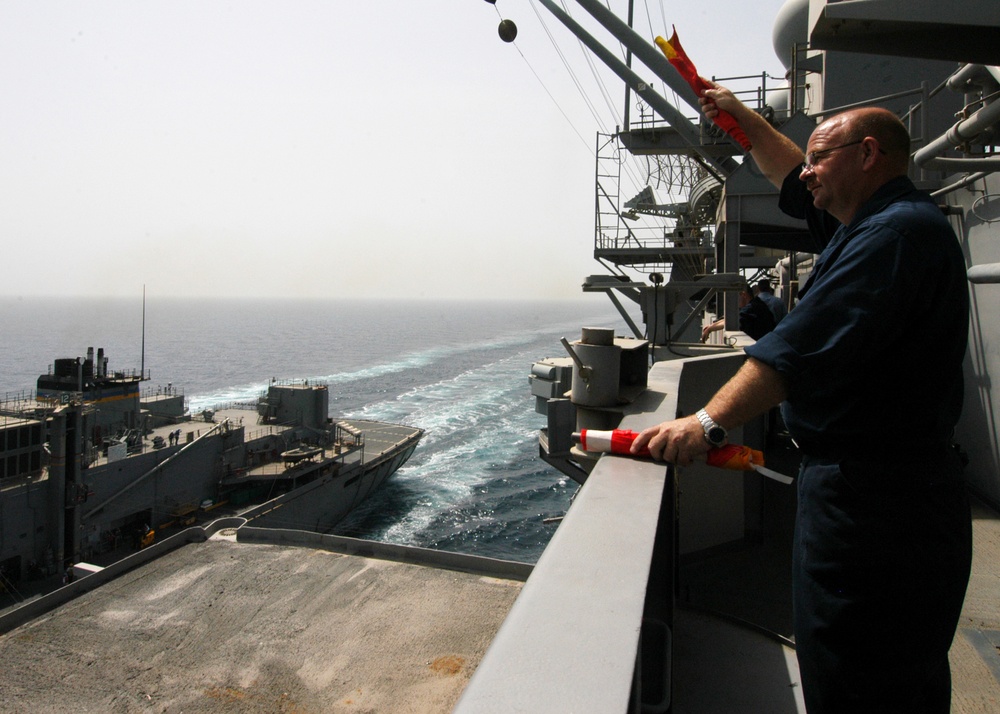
(868, 371)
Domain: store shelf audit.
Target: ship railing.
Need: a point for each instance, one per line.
(263, 431)
(582, 609)
(133, 375)
(235, 405)
(295, 382)
(597, 612)
(654, 236)
(23, 395)
(752, 89)
(168, 391)
(18, 405)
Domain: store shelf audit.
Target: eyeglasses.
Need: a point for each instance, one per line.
(814, 157)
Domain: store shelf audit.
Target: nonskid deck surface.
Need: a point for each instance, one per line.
(224, 626)
(381, 437)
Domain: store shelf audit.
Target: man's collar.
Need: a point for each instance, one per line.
(883, 196)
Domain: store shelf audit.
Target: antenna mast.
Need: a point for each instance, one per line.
(142, 362)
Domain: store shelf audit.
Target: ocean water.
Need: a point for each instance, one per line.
(459, 370)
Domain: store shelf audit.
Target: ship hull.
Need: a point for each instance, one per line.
(321, 504)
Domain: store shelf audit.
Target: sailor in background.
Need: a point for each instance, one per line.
(883, 541)
(776, 305)
(756, 318)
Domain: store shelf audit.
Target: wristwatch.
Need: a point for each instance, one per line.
(714, 434)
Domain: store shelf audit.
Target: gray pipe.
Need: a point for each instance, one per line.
(961, 183)
(984, 274)
(972, 74)
(982, 165)
(929, 157)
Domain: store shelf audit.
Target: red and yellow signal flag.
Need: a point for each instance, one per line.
(683, 64)
(735, 457)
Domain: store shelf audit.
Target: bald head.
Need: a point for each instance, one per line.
(851, 155)
(886, 128)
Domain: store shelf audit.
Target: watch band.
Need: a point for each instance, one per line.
(707, 422)
(714, 434)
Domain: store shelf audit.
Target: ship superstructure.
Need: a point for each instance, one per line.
(713, 542)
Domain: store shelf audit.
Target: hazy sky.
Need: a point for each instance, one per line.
(368, 148)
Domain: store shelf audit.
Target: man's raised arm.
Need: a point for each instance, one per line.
(775, 153)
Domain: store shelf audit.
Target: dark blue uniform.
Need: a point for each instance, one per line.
(872, 358)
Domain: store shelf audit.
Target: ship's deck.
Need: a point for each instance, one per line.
(224, 626)
(754, 585)
(379, 439)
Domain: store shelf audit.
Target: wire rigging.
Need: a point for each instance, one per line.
(670, 174)
(588, 57)
(633, 170)
(569, 70)
(538, 77)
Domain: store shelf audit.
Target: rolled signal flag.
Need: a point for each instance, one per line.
(615, 441)
(682, 63)
(619, 441)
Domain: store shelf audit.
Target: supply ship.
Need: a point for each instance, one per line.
(663, 589)
(94, 467)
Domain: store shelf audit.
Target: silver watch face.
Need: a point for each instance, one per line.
(716, 435)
